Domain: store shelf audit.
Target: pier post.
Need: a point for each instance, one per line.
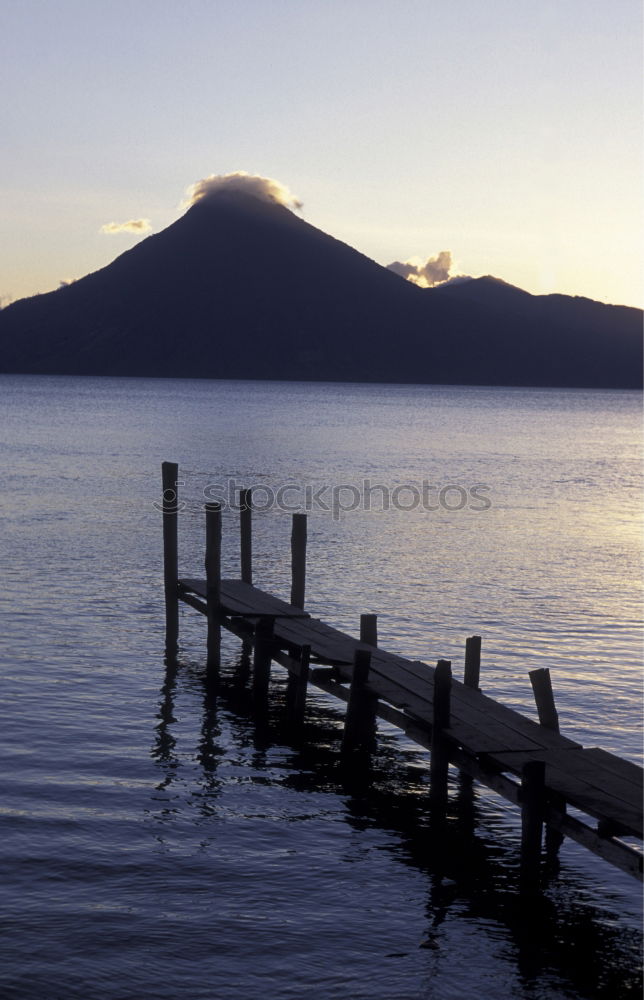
(262, 657)
(532, 799)
(544, 698)
(212, 565)
(298, 560)
(441, 720)
(297, 688)
(246, 536)
(472, 671)
(170, 507)
(549, 718)
(360, 720)
(369, 629)
(471, 679)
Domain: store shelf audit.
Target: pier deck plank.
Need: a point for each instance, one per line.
(582, 777)
(241, 599)
(598, 783)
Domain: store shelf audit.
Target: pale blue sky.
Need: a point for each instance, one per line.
(508, 132)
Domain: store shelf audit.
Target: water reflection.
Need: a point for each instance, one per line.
(209, 749)
(165, 743)
(468, 856)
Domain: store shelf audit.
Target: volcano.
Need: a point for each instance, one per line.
(240, 287)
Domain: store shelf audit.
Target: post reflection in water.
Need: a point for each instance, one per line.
(469, 859)
(165, 743)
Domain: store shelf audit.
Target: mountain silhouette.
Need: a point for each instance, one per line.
(240, 287)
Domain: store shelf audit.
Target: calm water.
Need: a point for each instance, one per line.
(158, 840)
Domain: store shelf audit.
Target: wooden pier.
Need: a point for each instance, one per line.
(531, 764)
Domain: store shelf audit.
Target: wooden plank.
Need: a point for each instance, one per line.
(193, 601)
(479, 741)
(574, 776)
(406, 684)
(616, 853)
(240, 598)
(482, 712)
(590, 764)
(624, 769)
(584, 764)
(504, 730)
(328, 645)
(480, 732)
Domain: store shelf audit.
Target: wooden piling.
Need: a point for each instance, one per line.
(262, 657)
(532, 798)
(297, 688)
(544, 698)
(246, 536)
(360, 720)
(369, 629)
(170, 506)
(471, 679)
(472, 671)
(298, 560)
(441, 719)
(549, 718)
(212, 563)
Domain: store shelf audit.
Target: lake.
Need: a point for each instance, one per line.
(160, 840)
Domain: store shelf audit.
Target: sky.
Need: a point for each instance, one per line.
(508, 133)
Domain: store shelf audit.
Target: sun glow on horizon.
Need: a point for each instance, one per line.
(524, 158)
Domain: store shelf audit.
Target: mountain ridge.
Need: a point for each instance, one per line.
(239, 287)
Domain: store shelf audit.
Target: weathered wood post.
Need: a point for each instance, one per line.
(170, 508)
(369, 629)
(212, 565)
(246, 536)
(360, 720)
(441, 720)
(471, 679)
(262, 657)
(243, 665)
(544, 698)
(532, 797)
(472, 671)
(298, 560)
(549, 718)
(297, 688)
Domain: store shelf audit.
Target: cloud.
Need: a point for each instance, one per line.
(131, 226)
(264, 188)
(432, 271)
